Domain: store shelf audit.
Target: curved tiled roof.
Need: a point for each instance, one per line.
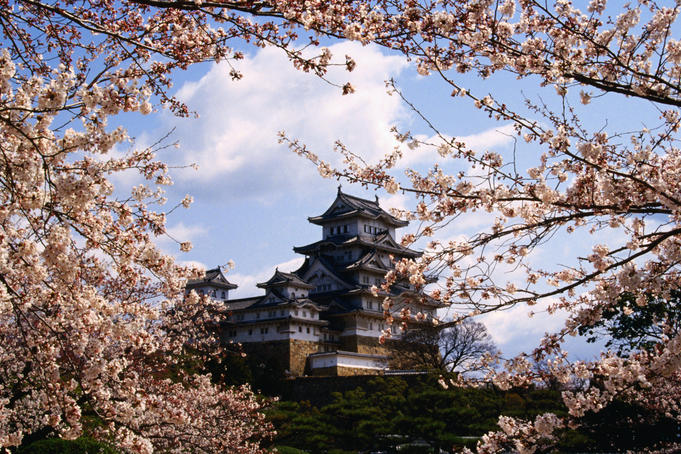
(213, 278)
(280, 279)
(381, 241)
(347, 205)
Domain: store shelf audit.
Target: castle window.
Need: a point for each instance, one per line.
(257, 315)
(295, 312)
(345, 229)
(281, 312)
(250, 332)
(239, 317)
(300, 329)
(308, 330)
(371, 326)
(223, 295)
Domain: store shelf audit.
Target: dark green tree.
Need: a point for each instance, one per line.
(630, 326)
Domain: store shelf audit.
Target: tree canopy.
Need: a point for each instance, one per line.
(612, 188)
(92, 311)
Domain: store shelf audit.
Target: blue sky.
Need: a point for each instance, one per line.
(253, 196)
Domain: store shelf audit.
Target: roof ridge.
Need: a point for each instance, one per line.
(362, 199)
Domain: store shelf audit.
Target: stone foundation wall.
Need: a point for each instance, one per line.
(298, 352)
(291, 355)
(351, 371)
(364, 344)
(341, 371)
(285, 355)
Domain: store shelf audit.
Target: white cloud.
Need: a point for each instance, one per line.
(178, 233)
(514, 330)
(234, 141)
(490, 139)
(247, 282)
(397, 201)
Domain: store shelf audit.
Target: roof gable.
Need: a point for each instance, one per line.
(386, 240)
(281, 279)
(214, 278)
(318, 270)
(373, 260)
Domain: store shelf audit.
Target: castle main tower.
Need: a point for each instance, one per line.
(356, 251)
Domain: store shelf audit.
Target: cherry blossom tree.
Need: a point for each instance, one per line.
(93, 317)
(92, 310)
(617, 186)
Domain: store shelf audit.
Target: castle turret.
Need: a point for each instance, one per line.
(213, 284)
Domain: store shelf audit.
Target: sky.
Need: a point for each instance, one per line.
(252, 196)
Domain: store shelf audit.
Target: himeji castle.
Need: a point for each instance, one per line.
(323, 318)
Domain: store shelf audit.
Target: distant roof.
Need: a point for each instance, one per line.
(289, 279)
(241, 303)
(347, 205)
(213, 278)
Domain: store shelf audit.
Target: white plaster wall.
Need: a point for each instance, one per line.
(288, 332)
(313, 335)
(298, 292)
(346, 361)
